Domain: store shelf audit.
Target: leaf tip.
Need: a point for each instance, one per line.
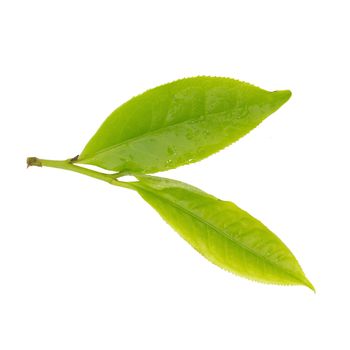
(282, 95)
(308, 284)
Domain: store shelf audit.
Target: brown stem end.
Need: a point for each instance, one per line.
(33, 161)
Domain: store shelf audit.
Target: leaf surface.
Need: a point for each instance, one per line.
(179, 123)
(222, 232)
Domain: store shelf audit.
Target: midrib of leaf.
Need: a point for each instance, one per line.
(238, 243)
(150, 133)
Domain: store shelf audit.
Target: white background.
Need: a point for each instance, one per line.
(84, 265)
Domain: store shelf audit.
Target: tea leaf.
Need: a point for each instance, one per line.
(222, 232)
(179, 123)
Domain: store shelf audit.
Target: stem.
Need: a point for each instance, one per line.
(118, 175)
(68, 165)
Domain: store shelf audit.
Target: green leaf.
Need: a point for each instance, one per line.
(222, 232)
(179, 123)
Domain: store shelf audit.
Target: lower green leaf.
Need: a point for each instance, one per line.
(222, 232)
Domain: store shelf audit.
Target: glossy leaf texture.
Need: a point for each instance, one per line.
(222, 232)
(179, 123)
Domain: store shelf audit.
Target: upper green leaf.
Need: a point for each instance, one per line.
(225, 234)
(179, 123)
